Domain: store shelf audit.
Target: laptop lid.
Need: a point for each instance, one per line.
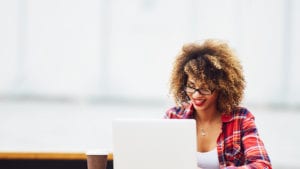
(154, 144)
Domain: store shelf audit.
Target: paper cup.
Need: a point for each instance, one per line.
(97, 159)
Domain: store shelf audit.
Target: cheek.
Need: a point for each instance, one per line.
(189, 94)
(214, 97)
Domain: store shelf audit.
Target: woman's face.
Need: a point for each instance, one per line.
(202, 96)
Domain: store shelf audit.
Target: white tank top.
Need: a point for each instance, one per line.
(208, 160)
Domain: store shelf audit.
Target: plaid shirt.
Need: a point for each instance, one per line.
(239, 145)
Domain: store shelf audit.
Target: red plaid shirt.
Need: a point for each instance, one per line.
(239, 145)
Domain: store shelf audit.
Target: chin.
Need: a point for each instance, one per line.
(198, 107)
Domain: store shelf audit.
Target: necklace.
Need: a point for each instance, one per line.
(203, 133)
(215, 121)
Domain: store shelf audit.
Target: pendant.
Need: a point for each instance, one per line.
(203, 133)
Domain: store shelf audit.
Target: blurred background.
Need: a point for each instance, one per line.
(69, 67)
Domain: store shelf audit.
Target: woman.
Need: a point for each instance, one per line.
(207, 84)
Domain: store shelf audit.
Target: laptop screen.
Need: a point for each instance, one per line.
(154, 144)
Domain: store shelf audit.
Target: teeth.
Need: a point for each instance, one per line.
(199, 101)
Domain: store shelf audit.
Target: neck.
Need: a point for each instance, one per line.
(207, 116)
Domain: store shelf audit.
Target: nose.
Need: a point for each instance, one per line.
(197, 93)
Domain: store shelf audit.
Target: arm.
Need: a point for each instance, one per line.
(255, 153)
(185, 111)
(174, 113)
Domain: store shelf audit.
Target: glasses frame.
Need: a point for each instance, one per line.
(201, 91)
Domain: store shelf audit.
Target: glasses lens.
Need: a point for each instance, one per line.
(201, 91)
(205, 91)
(189, 90)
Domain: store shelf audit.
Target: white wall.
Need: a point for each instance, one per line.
(113, 48)
(293, 69)
(9, 44)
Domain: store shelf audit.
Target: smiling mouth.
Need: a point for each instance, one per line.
(199, 102)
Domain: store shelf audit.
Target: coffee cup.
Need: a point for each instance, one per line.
(97, 159)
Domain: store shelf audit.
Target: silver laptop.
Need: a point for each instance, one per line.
(154, 144)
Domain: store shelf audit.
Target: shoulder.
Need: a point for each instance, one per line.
(239, 113)
(180, 112)
(242, 112)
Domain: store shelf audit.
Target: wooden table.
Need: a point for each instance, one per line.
(46, 160)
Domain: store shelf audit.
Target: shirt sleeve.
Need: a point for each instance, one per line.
(256, 155)
(172, 113)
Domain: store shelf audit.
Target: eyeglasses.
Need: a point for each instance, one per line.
(192, 90)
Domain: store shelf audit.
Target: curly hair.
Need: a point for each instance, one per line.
(214, 63)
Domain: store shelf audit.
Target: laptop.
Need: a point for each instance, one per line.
(154, 144)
